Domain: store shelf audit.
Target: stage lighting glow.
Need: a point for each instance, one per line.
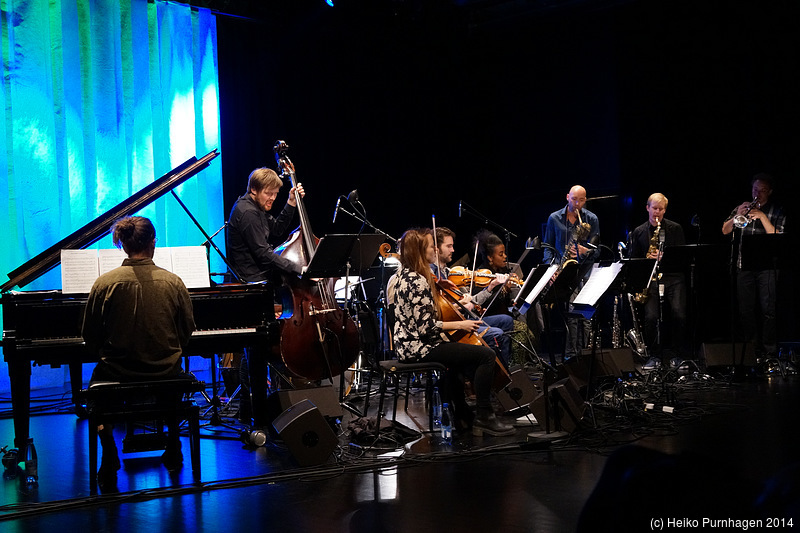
(329, 2)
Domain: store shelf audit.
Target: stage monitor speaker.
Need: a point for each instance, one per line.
(324, 398)
(519, 393)
(306, 433)
(720, 354)
(569, 407)
(616, 362)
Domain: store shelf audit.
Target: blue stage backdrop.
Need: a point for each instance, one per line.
(98, 100)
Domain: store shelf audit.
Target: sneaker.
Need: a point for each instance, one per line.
(654, 363)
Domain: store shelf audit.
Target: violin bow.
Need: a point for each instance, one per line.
(474, 262)
(436, 247)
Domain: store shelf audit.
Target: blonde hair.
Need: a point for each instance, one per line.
(657, 197)
(263, 178)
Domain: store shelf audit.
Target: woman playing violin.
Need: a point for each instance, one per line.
(500, 293)
(418, 332)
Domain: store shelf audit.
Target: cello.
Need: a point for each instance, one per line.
(318, 338)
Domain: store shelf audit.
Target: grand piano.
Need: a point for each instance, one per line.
(44, 327)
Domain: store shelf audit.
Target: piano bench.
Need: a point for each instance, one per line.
(162, 402)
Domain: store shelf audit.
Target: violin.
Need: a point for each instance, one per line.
(462, 277)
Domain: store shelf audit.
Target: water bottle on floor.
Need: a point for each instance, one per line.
(437, 411)
(31, 465)
(447, 424)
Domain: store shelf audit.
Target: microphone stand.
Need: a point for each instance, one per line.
(363, 219)
(477, 214)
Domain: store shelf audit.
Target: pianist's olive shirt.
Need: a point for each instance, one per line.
(139, 317)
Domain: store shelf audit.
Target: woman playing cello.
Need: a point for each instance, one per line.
(418, 332)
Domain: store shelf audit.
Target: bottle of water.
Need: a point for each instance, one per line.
(447, 424)
(436, 403)
(31, 465)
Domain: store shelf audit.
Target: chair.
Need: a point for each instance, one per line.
(394, 370)
(167, 402)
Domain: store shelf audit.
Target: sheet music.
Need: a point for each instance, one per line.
(598, 283)
(79, 269)
(339, 286)
(110, 259)
(191, 264)
(163, 258)
(537, 289)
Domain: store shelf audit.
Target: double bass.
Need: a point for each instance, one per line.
(318, 338)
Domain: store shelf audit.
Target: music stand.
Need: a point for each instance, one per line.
(337, 253)
(675, 260)
(636, 273)
(600, 280)
(765, 251)
(534, 283)
(334, 256)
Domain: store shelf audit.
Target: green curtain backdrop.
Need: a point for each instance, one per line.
(99, 98)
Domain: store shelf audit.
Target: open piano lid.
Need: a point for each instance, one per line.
(97, 228)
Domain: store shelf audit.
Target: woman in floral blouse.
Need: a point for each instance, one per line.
(418, 330)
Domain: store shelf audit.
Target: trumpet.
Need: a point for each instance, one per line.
(741, 221)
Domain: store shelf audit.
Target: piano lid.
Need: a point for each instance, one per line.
(97, 228)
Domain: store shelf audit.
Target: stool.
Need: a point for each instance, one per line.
(167, 402)
(394, 370)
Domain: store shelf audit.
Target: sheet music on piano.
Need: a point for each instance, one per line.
(80, 268)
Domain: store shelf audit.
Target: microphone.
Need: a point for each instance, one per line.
(336, 211)
(459, 209)
(353, 196)
(695, 221)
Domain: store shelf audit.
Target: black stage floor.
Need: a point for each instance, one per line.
(712, 457)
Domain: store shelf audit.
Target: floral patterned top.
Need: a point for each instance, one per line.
(417, 328)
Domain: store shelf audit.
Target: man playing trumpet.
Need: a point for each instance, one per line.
(760, 216)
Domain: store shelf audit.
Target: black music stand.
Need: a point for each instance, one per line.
(521, 303)
(765, 251)
(337, 253)
(334, 256)
(635, 275)
(761, 251)
(675, 259)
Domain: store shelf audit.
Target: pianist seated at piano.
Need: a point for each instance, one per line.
(252, 231)
(138, 319)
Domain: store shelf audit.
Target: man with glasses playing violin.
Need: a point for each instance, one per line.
(496, 326)
(757, 287)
